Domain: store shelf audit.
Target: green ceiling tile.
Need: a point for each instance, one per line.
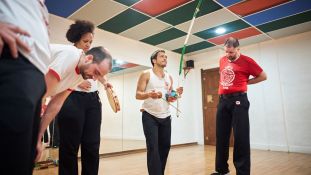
(230, 27)
(125, 20)
(195, 47)
(164, 36)
(286, 22)
(185, 13)
(116, 69)
(127, 2)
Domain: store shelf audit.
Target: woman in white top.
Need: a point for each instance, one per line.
(80, 117)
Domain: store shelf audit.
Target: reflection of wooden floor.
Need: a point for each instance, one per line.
(199, 160)
(117, 145)
(106, 146)
(49, 153)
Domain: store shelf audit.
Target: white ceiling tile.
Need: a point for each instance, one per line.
(299, 28)
(210, 20)
(145, 29)
(98, 11)
(254, 39)
(179, 42)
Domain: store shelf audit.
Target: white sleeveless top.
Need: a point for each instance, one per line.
(157, 107)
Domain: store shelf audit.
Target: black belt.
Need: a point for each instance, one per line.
(83, 92)
(235, 94)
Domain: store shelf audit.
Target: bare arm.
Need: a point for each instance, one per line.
(51, 111)
(179, 90)
(52, 108)
(261, 77)
(54, 105)
(141, 87)
(51, 82)
(171, 88)
(85, 85)
(104, 81)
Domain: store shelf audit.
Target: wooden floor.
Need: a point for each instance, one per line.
(106, 146)
(199, 160)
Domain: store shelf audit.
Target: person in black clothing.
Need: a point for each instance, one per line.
(232, 111)
(24, 59)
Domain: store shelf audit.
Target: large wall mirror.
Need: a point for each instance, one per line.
(122, 131)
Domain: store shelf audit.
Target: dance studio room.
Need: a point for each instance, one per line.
(158, 87)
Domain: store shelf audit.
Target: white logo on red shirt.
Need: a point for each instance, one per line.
(226, 77)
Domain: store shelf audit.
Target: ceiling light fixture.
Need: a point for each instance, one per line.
(220, 30)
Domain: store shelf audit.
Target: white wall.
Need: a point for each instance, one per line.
(135, 52)
(279, 115)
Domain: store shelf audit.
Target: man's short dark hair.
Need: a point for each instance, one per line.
(154, 55)
(232, 42)
(99, 54)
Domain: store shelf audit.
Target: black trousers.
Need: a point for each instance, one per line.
(233, 113)
(158, 140)
(54, 133)
(45, 138)
(79, 123)
(22, 87)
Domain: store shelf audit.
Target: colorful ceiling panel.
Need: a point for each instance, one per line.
(162, 6)
(165, 23)
(64, 8)
(252, 6)
(275, 13)
(241, 34)
(123, 21)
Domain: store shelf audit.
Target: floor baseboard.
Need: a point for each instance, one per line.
(121, 153)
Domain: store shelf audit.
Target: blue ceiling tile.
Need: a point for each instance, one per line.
(278, 12)
(227, 3)
(64, 8)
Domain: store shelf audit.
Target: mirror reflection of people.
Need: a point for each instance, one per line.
(232, 110)
(152, 86)
(24, 59)
(80, 117)
(70, 68)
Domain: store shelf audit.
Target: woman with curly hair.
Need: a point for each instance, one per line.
(80, 117)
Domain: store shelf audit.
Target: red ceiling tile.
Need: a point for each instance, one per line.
(128, 65)
(156, 7)
(252, 6)
(251, 31)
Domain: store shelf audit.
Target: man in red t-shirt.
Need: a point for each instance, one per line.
(235, 70)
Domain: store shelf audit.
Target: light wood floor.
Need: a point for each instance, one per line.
(106, 146)
(199, 160)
